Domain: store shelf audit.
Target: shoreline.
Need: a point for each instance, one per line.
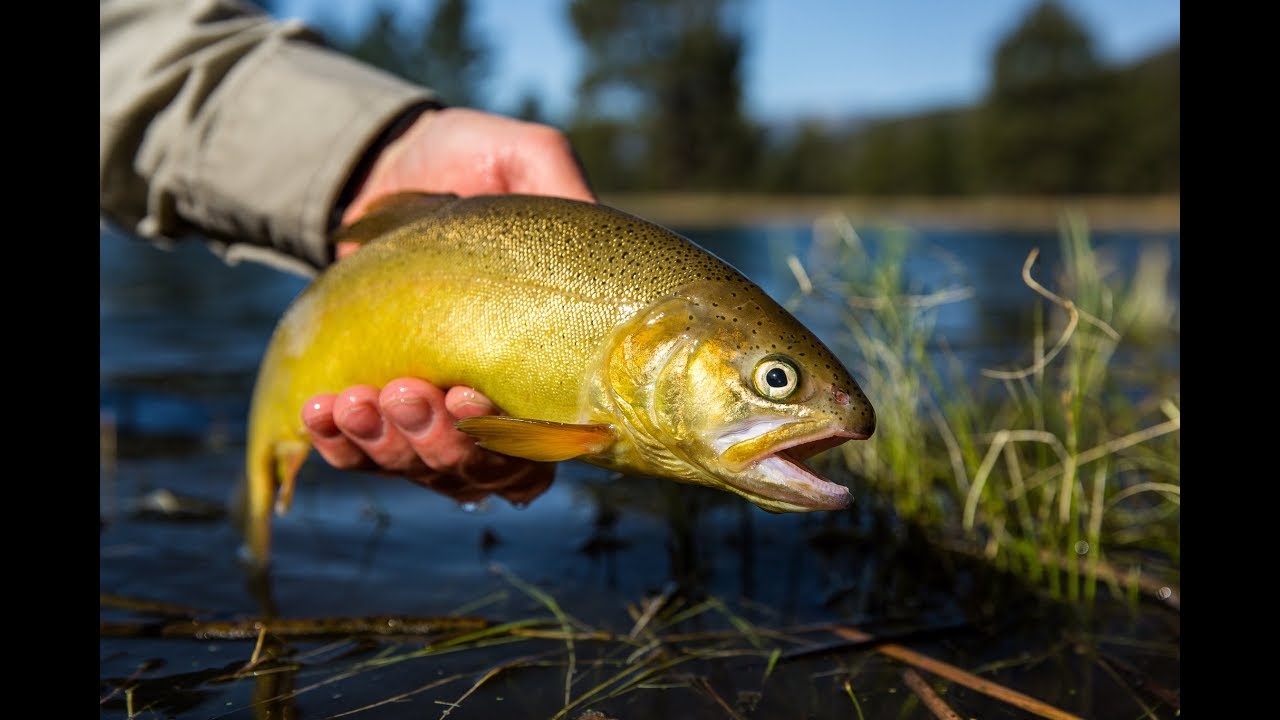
(714, 209)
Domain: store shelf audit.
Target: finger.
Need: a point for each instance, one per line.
(517, 480)
(545, 164)
(345, 248)
(332, 445)
(418, 410)
(358, 414)
(463, 402)
(483, 467)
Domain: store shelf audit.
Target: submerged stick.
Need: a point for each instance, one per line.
(1138, 680)
(704, 684)
(960, 677)
(294, 628)
(928, 696)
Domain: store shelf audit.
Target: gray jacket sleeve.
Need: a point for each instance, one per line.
(219, 121)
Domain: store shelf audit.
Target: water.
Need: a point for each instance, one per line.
(181, 335)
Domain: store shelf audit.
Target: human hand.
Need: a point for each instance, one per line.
(406, 428)
(469, 152)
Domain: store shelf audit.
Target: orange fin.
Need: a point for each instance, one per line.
(536, 439)
(269, 481)
(389, 212)
(289, 459)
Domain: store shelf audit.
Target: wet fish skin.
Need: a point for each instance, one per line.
(604, 337)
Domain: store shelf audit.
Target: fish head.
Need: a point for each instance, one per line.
(726, 388)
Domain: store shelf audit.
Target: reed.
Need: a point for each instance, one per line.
(1063, 463)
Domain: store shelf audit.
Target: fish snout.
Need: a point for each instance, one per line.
(860, 416)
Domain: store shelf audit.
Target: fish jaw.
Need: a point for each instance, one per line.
(776, 479)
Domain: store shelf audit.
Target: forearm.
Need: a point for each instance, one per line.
(217, 120)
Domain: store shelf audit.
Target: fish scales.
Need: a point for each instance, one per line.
(498, 282)
(548, 307)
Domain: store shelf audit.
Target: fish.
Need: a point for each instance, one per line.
(603, 337)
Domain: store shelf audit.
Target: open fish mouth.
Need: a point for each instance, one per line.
(779, 481)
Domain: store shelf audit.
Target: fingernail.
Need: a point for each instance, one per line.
(320, 423)
(411, 416)
(465, 402)
(362, 420)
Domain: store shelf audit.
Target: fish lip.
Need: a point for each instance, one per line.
(791, 486)
(783, 483)
(806, 446)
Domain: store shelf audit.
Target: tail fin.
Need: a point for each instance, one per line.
(270, 476)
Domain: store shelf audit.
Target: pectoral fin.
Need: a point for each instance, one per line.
(536, 439)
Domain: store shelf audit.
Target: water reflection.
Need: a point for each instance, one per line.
(180, 338)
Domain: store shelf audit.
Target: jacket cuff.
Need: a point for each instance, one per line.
(313, 116)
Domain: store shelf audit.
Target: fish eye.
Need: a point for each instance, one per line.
(776, 378)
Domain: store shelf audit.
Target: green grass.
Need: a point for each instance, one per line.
(1063, 465)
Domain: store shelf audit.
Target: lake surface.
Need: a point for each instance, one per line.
(181, 336)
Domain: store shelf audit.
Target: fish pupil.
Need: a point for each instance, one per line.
(776, 378)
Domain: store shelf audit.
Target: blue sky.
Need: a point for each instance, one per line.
(826, 58)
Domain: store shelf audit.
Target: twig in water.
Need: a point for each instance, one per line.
(931, 699)
(128, 683)
(1138, 680)
(294, 628)
(706, 687)
(652, 607)
(257, 648)
(961, 677)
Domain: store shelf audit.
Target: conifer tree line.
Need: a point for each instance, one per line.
(659, 106)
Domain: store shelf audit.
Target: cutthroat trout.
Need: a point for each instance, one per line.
(605, 338)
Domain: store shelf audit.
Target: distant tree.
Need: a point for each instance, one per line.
(810, 159)
(450, 55)
(673, 67)
(530, 108)
(380, 43)
(445, 54)
(1143, 151)
(609, 150)
(1048, 52)
(1045, 120)
(925, 154)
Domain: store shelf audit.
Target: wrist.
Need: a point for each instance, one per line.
(363, 184)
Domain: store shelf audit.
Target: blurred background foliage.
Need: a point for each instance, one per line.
(659, 106)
